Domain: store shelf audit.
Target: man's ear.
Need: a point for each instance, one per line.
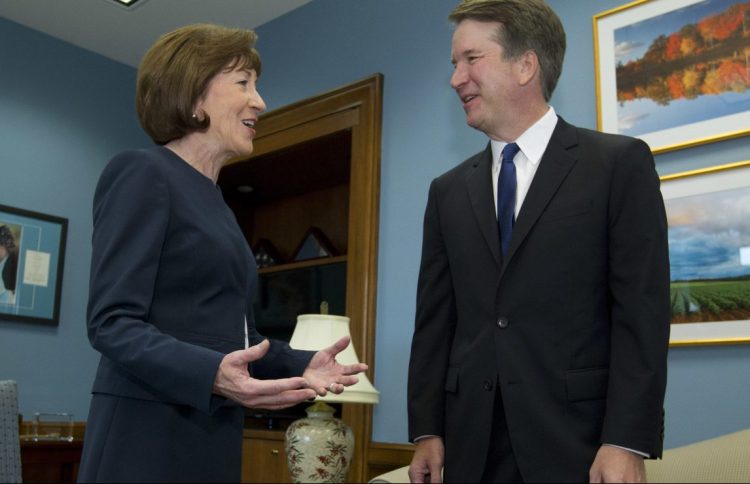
(527, 67)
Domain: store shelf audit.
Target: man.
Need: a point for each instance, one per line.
(542, 325)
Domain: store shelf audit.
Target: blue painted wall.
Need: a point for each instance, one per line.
(66, 111)
(63, 113)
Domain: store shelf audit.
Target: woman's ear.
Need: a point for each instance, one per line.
(198, 113)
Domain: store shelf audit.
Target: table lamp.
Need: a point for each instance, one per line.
(319, 448)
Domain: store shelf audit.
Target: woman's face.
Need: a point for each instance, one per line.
(233, 104)
(3, 252)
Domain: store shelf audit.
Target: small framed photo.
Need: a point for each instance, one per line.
(314, 245)
(32, 252)
(674, 73)
(708, 212)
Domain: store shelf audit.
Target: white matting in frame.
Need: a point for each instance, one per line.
(693, 87)
(708, 212)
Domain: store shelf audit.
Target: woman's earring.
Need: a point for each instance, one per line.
(194, 116)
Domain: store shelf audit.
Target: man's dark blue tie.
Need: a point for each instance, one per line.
(506, 196)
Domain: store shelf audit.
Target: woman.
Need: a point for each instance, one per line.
(172, 279)
(8, 266)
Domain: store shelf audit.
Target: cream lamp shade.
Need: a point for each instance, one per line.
(318, 331)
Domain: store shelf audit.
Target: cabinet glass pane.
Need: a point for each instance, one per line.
(283, 295)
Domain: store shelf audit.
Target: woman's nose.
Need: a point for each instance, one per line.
(257, 103)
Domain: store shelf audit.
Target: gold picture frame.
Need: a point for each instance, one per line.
(708, 212)
(674, 73)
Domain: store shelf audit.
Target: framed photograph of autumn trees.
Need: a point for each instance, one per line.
(675, 73)
(708, 212)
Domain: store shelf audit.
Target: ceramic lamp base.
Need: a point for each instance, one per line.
(319, 447)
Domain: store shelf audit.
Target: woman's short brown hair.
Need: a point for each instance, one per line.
(175, 73)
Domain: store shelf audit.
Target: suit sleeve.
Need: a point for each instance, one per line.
(433, 330)
(281, 361)
(640, 306)
(131, 215)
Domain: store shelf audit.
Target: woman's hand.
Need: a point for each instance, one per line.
(233, 381)
(324, 374)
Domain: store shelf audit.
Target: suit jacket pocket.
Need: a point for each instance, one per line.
(451, 380)
(586, 384)
(567, 210)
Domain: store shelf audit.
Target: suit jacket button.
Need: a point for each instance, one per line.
(488, 385)
(502, 323)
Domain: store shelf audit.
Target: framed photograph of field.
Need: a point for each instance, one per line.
(708, 212)
(675, 73)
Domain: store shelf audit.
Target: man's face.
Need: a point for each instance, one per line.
(483, 80)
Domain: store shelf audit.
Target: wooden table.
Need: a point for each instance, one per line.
(50, 461)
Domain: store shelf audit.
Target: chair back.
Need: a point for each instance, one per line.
(10, 444)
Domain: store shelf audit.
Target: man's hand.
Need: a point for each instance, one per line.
(613, 464)
(234, 382)
(324, 374)
(427, 463)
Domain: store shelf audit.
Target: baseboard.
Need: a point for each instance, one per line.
(384, 457)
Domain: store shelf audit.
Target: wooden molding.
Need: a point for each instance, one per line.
(25, 429)
(356, 109)
(383, 457)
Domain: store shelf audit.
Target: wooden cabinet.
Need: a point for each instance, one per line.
(316, 163)
(282, 199)
(50, 461)
(263, 457)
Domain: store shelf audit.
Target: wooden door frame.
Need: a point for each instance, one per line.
(356, 107)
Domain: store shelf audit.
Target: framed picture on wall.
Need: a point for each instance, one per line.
(708, 212)
(675, 73)
(32, 251)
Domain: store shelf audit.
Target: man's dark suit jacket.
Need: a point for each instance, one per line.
(572, 327)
